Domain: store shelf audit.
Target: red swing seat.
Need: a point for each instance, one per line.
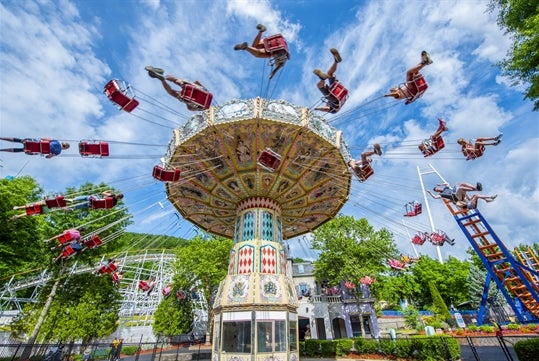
(96, 149)
(145, 285)
(437, 238)
(166, 291)
(269, 160)
(413, 209)
(339, 92)
(34, 209)
(67, 252)
(472, 153)
(116, 277)
(417, 86)
(93, 242)
(419, 239)
(32, 146)
(277, 47)
(101, 203)
(363, 173)
(121, 94)
(435, 145)
(180, 295)
(395, 264)
(438, 143)
(166, 175)
(57, 202)
(196, 96)
(110, 268)
(65, 237)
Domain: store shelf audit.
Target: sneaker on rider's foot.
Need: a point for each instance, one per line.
(336, 55)
(320, 74)
(479, 186)
(241, 46)
(442, 124)
(425, 58)
(377, 149)
(261, 28)
(154, 70)
(498, 138)
(153, 74)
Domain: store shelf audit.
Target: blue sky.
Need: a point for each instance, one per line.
(56, 57)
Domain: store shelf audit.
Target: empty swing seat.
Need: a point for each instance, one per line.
(196, 95)
(269, 160)
(57, 202)
(101, 203)
(278, 48)
(417, 239)
(166, 175)
(97, 149)
(118, 93)
(413, 209)
(32, 146)
(417, 86)
(93, 242)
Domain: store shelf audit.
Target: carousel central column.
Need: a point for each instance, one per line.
(256, 306)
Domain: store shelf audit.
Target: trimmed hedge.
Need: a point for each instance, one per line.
(527, 350)
(418, 347)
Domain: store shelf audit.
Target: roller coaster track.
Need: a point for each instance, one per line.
(135, 305)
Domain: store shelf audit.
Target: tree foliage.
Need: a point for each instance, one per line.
(439, 307)
(85, 307)
(173, 317)
(201, 265)
(351, 249)
(520, 18)
(20, 249)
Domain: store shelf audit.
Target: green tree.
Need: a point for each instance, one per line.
(520, 18)
(173, 316)
(20, 249)
(438, 305)
(202, 264)
(351, 249)
(85, 307)
(108, 224)
(450, 279)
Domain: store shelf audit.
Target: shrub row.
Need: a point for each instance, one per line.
(418, 347)
(527, 350)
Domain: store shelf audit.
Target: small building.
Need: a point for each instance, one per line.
(329, 312)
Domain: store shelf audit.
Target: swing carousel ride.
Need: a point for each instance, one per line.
(262, 171)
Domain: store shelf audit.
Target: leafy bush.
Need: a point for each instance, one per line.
(129, 350)
(343, 346)
(435, 348)
(311, 348)
(513, 326)
(473, 328)
(486, 328)
(400, 347)
(527, 350)
(327, 348)
(366, 345)
(459, 332)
